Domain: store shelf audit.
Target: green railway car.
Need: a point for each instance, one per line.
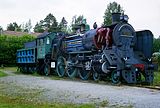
(36, 55)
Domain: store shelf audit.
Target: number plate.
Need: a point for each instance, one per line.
(53, 65)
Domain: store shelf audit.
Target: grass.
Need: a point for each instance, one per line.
(156, 81)
(9, 68)
(7, 102)
(2, 74)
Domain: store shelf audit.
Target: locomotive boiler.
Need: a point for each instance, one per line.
(116, 51)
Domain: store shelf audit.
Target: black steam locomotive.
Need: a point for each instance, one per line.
(116, 51)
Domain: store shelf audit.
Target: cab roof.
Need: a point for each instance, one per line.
(43, 35)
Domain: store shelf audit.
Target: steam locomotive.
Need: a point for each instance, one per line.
(116, 51)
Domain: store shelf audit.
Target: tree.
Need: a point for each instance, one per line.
(63, 25)
(39, 27)
(49, 23)
(156, 45)
(10, 27)
(113, 7)
(14, 27)
(76, 21)
(28, 26)
(1, 29)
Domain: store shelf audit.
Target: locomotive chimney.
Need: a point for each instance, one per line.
(115, 18)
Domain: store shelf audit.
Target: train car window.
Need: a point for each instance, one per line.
(41, 41)
(48, 40)
(38, 42)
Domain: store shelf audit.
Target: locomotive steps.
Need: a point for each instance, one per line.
(78, 92)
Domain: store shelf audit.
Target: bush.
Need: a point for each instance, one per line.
(156, 45)
(9, 46)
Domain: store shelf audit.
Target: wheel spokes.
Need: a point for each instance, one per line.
(61, 65)
(72, 72)
(84, 74)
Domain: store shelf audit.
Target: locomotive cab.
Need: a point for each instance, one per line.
(44, 42)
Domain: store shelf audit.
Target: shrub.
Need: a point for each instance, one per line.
(8, 47)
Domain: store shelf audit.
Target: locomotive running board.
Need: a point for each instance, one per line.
(80, 52)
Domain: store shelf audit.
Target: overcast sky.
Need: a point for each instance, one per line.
(143, 14)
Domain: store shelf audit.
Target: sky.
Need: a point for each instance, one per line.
(143, 14)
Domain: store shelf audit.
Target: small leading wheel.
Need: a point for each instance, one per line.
(61, 66)
(83, 74)
(115, 77)
(72, 71)
(46, 69)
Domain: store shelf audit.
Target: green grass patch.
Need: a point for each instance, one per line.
(56, 77)
(7, 102)
(156, 81)
(2, 74)
(14, 69)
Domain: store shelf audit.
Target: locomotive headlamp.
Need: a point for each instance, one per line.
(124, 18)
(121, 17)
